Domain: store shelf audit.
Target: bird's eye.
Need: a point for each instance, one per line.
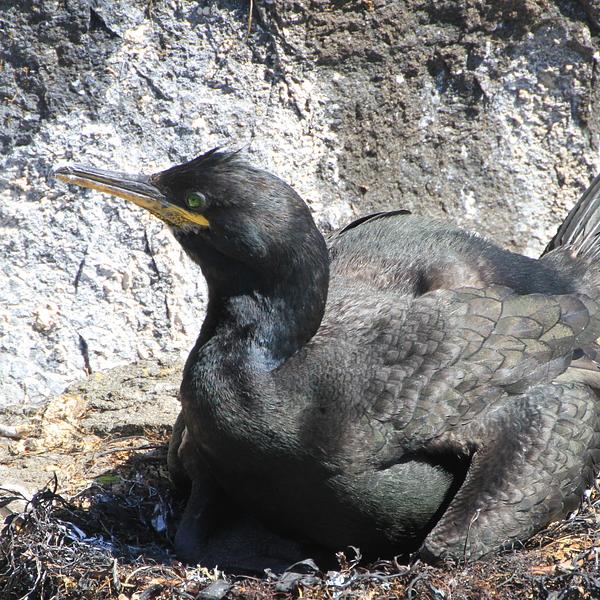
(195, 200)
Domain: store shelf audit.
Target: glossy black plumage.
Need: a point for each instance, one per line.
(405, 387)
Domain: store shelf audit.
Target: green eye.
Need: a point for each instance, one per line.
(195, 200)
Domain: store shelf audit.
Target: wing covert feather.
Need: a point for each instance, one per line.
(444, 357)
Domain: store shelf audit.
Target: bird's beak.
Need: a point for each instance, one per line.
(138, 189)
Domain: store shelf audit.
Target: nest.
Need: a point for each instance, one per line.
(109, 538)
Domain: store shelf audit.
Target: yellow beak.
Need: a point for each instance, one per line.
(135, 188)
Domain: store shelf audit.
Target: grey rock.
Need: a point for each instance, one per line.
(592, 7)
(215, 591)
(477, 112)
(131, 401)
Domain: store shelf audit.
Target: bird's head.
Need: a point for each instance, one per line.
(231, 218)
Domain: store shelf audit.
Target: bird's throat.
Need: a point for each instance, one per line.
(265, 327)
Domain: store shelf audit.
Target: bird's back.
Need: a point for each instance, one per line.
(403, 253)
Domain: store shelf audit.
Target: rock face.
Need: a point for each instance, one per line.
(483, 113)
(132, 402)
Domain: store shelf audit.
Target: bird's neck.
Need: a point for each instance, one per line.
(268, 329)
(264, 320)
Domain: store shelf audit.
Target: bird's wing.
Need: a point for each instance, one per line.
(431, 363)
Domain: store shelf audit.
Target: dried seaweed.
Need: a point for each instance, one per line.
(110, 539)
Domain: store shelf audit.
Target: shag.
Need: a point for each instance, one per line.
(403, 386)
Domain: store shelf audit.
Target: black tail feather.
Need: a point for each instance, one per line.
(581, 228)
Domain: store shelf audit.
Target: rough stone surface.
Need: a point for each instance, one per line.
(57, 439)
(479, 112)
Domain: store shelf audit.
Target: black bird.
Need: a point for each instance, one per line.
(404, 386)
